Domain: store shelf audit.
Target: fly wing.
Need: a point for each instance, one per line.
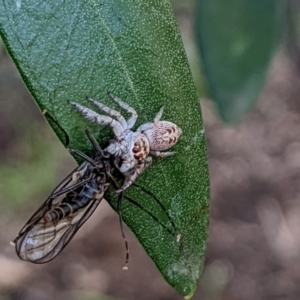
(41, 239)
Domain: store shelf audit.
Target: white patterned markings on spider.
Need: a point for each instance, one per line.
(133, 148)
(75, 199)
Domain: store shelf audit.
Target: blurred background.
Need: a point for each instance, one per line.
(254, 239)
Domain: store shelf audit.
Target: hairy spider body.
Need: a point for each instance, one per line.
(136, 151)
(132, 149)
(161, 136)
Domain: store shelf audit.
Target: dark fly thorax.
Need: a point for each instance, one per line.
(96, 184)
(116, 177)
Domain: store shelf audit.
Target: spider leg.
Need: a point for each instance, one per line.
(158, 115)
(162, 154)
(131, 177)
(129, 109)
(110, 111)
(157, 118)
(100, 119)
(145, 127)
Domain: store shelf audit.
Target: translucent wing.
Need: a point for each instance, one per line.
(54, 224)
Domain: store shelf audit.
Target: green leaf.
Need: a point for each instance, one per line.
(70, 49)
(237, 39)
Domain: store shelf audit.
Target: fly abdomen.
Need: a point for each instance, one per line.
(68, 207)
(60, 212)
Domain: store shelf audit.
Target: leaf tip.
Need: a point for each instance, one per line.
(190, 295)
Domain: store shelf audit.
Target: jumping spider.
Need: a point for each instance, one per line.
(133, 148)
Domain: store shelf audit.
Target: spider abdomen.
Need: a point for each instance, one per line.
(162, 135)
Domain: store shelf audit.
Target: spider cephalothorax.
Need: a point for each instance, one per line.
(133, 148)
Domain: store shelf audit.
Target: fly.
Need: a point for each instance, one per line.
(70, 205)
